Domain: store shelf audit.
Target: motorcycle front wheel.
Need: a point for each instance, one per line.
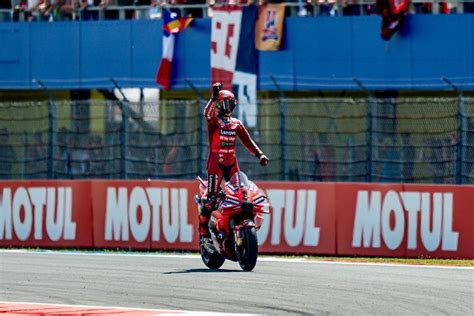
(213, 260)
(248, 251)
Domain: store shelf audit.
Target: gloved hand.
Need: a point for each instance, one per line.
(210, 202)
(216, 87)
(264, 160)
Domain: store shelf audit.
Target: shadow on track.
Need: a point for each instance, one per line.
(201, 270)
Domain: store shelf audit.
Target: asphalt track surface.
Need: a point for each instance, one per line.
(274, 287)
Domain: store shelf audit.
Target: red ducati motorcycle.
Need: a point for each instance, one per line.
(235, 222)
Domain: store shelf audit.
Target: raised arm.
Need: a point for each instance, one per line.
(210, 109)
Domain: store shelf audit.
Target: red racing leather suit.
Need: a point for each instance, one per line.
(222, 132)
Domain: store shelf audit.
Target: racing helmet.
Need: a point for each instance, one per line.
(226, 102)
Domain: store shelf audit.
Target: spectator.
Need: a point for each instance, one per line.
(37, 166)
(86, 13)
(194, 12)
(427, 8)
(349, 159)
(5, 6)
(137, 155)
(450, 146)
(326, 7)
(391, 161)
(39, 11)
(115, 14)
(468, 7)
(408, 157)
(63, 164)
(7, 155)
(351, 8)
(310, 168)
(79, 158)
(31, 10)
(96, 151)
(169, 164)
(468, 144)
(172, 158)
(177, 160)
(142, 14)
(436, 159)
(155, 11)
(19, 10)
(327, 157)
(62, 10)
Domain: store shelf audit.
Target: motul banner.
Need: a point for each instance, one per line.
(405, 220)
(45, 214)
(145, 215)
(301, 219)
(393, 220)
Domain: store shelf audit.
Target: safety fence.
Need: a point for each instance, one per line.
(380, 138)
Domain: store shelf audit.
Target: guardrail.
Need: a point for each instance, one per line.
(297, 8)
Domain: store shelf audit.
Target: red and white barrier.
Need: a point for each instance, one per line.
(315, 218)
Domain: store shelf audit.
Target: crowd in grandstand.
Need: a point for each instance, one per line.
(58, 10)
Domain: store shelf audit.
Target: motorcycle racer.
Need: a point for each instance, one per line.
(223, 129)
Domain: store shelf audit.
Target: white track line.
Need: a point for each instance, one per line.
(261, 258)
(158, 311)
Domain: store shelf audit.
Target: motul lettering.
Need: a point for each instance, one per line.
(372, 220)
(23, 213)
(298, 216)
(160, 208)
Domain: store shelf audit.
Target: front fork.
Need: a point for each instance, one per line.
(239, 235)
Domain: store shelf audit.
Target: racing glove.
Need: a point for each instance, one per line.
(264, 160)
(216, 87)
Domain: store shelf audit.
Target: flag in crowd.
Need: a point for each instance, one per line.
(172, 25)
(269, 27)
(234, 57)
(393, 14)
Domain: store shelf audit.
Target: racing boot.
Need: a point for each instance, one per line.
(204, 226)
(205, 210)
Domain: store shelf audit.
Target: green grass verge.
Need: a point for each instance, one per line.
(416, 261)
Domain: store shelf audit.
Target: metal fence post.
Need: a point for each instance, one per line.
(370, 101)
(462, 138)
(201, 127)
(201, 131)
(123, 141)
(52, 128)
(370, 138)
(25, 156)
(283, 130)
(462, 113)
(123, 131)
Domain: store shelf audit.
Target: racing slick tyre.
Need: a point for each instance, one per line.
(248, 251)
(211, 258)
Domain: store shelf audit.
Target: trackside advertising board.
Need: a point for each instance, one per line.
(46, 214)
(301, 220)
(145, 215)
(405, 220)
(306, 217)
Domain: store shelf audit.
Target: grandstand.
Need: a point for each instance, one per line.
(78, 99)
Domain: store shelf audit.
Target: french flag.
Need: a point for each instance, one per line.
(172, 25)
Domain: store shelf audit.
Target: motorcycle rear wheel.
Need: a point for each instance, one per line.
(248, 251)
(211, 260)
